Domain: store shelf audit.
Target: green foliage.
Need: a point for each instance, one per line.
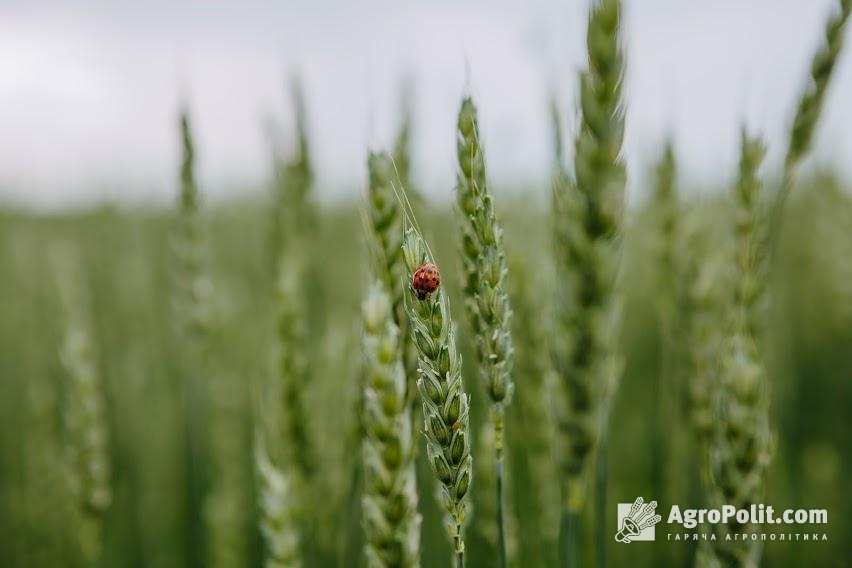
(125, 416)
(138, 361)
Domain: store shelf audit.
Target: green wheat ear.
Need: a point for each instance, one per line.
(742, 442)
(390, 518)
(85, 420)
(445, 403)
(588, 226)
(279, 519)
(809, 109)
(191, 301)
(486, 300)
(385, 214)
(588, 213)
(484, 261)
(812, 99)
(294, 310)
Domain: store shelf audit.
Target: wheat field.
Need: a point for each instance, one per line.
(388, 380)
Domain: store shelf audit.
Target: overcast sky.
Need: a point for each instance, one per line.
(89, 91)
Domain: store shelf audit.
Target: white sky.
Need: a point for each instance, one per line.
(89, 91)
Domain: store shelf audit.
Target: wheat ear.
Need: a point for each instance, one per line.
(741, 449)
(385, 219)
(810, 107)
(391, 522)
(88, 433)
(278, 515)
(191, 306)
(588, 251)
(445, 403)
(486, 300)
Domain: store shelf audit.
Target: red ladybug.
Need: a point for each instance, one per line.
(426, 280)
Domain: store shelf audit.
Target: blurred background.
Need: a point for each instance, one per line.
(90, 91)
(90, 161)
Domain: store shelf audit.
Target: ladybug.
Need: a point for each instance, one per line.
(426, 280)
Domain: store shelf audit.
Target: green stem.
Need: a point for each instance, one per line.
(776, 215)
(354, 540)
(194, 471)
(498, 465)
(459, 546)
(569, 530)
(600, 502)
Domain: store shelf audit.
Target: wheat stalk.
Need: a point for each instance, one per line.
(294, 205)
(192, 296)
(88, 433)
(445, 404)
(293, 366)
(385, 216)
(812, 99)
(278, 515)
(667, 211)
(667, 389)
(741, 448)
(810, 107)
(484, 265)
(293, 215)
(484, 509)
(536, 488)
(402, 142)
(191, 305)
(703, 271)
(227, 503)
(391, 522)
(705, 274)
(588, 250)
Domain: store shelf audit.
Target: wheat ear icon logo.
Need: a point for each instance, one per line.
(636, 521)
